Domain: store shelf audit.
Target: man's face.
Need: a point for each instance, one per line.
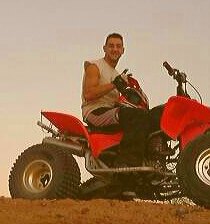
(114, 49)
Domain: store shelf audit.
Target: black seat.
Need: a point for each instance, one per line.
(106, 129)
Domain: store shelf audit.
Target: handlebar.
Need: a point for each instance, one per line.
(170, 70)
(180, 77)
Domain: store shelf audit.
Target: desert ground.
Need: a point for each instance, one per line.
(19, 211)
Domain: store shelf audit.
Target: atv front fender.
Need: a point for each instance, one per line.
(192, 132)
(184, 119)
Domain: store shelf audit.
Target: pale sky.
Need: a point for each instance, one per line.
(43, 44)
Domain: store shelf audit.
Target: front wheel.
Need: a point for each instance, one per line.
(193, 170)
(43, 171)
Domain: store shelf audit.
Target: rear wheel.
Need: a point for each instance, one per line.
(193, 170)
(43, 171)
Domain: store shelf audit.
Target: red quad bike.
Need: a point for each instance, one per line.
(181, 166)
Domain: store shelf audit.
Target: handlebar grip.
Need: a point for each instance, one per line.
(168, 67)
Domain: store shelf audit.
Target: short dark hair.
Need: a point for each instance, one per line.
(114, 35)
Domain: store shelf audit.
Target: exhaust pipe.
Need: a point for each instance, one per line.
(75, 149)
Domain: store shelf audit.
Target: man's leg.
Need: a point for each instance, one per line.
(103, 117)
(158, 143)
(155, 116)
(135, 124)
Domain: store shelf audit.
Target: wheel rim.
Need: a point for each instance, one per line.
(203, 166)
(37, 176)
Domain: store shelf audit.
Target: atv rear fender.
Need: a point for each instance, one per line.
(70, 125)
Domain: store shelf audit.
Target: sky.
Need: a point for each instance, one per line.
(44, 43)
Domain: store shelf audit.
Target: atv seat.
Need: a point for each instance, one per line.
(105, 130)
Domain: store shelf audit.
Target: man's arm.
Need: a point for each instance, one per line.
(91, 89)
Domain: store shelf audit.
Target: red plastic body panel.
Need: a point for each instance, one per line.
(191, 132)
(100, 142)
(185, 119)
(66, 123)
(73, 126)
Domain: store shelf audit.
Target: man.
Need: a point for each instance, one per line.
(101, 86)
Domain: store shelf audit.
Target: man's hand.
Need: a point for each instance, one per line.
(120, 83)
